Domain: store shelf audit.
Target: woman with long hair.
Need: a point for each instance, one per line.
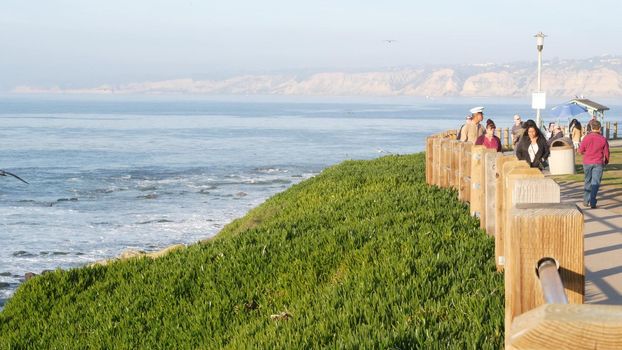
(533, 147)
(575, 132)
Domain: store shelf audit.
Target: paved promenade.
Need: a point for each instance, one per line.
(603, 243)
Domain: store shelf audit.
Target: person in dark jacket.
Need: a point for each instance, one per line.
(524, 126)
(533, 147)
(489, 139)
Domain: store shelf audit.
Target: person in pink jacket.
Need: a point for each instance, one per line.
(489, 139)
(595, 150)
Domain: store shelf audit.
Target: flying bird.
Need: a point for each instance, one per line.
(389, 41)
(5, 173)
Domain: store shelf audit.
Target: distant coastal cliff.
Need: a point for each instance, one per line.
(594, 77)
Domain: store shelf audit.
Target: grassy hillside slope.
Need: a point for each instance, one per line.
(364, 255)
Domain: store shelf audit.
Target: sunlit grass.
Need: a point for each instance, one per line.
(364, 255)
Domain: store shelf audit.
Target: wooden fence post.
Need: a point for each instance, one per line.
(607, 130)
(615, 130)
(535, 190)
(453, 162)
(490, 182)
(458, 152)
(429, 156)
(478, 185)
(503, 168)
(499, 196)
(475, 200)
(542, 230)
(506, 133)
(436, 161)
(464, 189)
(482, 170)
(508, 184)
(568, 326)
(445, 159)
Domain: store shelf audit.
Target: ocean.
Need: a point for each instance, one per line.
(107, 175)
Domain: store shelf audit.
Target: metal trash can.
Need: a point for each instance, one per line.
(561, 160)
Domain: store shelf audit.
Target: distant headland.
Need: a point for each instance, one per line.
(596, 77)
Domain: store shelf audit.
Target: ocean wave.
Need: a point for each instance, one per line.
(148, 196)
(155, 221)
(44, 253)
(268, 182)
(270, 170)
(23, 254)
(72, 199)
(107, 190)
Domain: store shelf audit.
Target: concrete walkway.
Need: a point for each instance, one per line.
(603, 243)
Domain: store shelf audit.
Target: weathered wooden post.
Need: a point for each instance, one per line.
(445, 160)
(464, 189)
(483, 196)
(505, 165)
(478, 172)
(506, 137)
(458, 152)
(475, 199)
(607, 130)
(615, 130)
(436, 161)
(508, 185)
(568, 326)
(453, 163)
(535, 190)
(429, 159)
(542, 230)
(490, 181)
(499, 192)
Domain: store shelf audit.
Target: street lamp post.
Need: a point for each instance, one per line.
(540, 44)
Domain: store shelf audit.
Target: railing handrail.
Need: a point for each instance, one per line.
(547, 270)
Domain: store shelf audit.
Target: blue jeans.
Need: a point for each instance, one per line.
(593, 175)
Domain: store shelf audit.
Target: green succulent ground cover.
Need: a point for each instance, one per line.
(364, 255)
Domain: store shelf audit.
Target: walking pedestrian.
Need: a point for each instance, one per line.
(595, 150)
(532, 147)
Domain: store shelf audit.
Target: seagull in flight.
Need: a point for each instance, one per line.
(5, 173)
(389, 41)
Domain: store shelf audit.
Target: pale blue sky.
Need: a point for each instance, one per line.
(86, 42)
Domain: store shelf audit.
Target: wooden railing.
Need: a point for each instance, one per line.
(610, 130)
(521, 208)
